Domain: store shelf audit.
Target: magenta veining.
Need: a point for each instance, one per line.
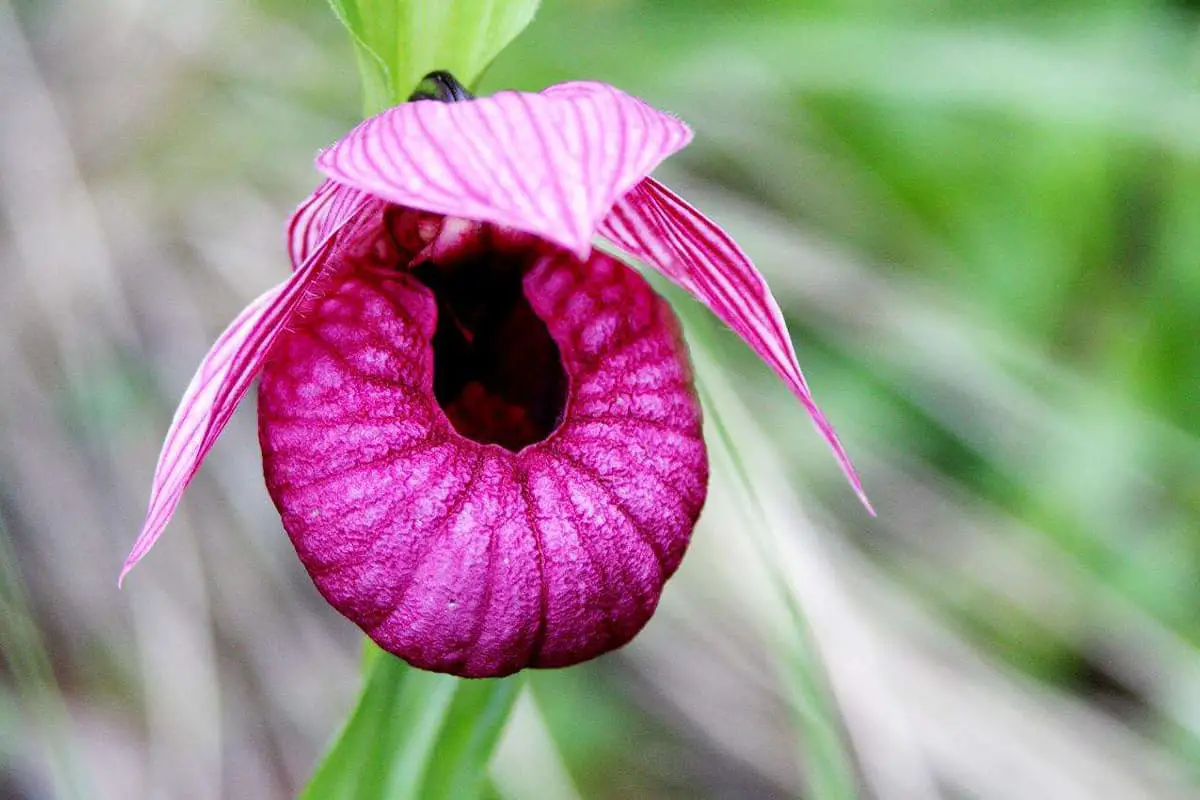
(481, 434)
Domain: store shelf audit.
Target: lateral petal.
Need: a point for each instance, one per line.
(550, 164)
(655, 225)
(222, 380)
(325, 209)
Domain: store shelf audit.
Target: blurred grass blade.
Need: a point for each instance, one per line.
(38, 706)
(400, 41)
(830, 763)
(415, 734)
(831, 772)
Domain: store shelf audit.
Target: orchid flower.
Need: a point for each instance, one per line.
(482, 434)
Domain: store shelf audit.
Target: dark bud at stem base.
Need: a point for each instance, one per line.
(442, 86)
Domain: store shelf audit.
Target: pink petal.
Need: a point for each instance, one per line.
(655, 225)
(551, 164)
(223, 378)
(324, 210)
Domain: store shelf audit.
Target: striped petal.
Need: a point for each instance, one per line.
(550, 164)
(324, 210)
(226, 373)
(656, 226)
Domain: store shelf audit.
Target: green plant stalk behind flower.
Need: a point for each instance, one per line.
(399, 41)
(416, 734)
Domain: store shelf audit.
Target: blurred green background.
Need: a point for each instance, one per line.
(979, 219)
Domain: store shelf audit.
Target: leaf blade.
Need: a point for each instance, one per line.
(398, 42)
(414, 734)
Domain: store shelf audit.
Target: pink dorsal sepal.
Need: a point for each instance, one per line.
(550, 163)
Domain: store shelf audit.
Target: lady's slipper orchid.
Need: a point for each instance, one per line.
(481, 434)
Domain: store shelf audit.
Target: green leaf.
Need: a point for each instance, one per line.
(415, 734)
(398, 42)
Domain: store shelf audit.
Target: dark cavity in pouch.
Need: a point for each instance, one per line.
(497, 373)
